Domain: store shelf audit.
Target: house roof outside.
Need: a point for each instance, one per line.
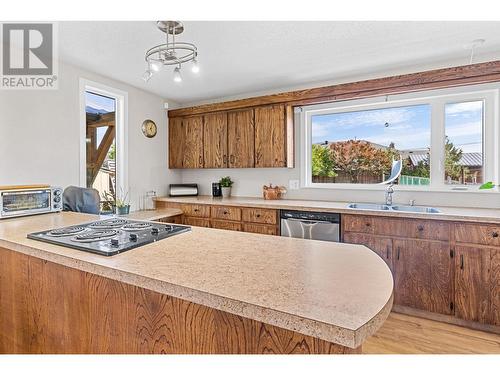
(468, 159)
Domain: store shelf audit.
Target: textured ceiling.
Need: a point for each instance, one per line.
(244, 57)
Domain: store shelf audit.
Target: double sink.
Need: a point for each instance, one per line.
(400, 208)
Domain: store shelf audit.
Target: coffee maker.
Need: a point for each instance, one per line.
(216, 190)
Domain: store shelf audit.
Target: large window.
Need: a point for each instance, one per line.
(444, 139)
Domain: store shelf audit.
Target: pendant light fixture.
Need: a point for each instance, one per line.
(171, 53)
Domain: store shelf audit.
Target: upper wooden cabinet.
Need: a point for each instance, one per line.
(215, 140)
(186, 142)
(240, 139)
(270, 136)
(247, 138)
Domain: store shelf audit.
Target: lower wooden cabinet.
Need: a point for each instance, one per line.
(260, 228)
(423, 275)
(381, 246)
(224, 224)
(472, 280)
(197, 222)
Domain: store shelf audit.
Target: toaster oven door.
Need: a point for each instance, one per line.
(28, 202)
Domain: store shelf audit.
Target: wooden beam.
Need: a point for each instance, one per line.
(432, 79)
(100, 155)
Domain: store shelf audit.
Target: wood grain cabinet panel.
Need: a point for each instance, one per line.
(197, 221)
(358, 223)
(477, 234)
(215, 140)
(423, 275)
(472, 290)
(241, 138)
(495, 286)
(410, 228)
(175, 142)
(224, 224)
(270, 136)
(197, 210)
(226, 213)
(261, 228)
(193, 142)
(260, 215)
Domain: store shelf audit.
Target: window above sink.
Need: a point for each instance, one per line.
(447, 140)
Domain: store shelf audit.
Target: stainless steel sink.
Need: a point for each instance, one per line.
(428, 210)
(385, 207)
(369, 206)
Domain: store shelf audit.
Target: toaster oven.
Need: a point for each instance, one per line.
(23, 201)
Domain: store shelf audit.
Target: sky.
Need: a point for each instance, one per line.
(408, 127)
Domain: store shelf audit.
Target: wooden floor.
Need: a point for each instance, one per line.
(404, 334)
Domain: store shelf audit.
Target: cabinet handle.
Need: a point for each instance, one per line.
(367, 224)
(461, 261)
(196, 210)
(399, 250)
(420, 228)
(387, 252)
(258, 215)
(494, 234)
(225, 212)
(201, 160)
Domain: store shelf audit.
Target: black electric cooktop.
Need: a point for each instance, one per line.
(109, 236)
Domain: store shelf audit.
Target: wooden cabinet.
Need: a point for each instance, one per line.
(477, 234)
(224, 224)
(240, 139)
(226, 213)
(358, 223)
(260, 215)
(381, 246)
(197, 222)
(196, 210)
(175, 142)
(215, 140)
(186, 142)
(472, 283)
(259, 136)
(270, 136)
(260, 228)
(412, 228)
(423, 275)
(495, 286)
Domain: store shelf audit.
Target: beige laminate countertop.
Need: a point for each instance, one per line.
(337, 292)
(446, 213)
(152, 215)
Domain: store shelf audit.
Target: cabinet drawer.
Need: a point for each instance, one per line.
(197, 210)
(258, 215)
(260, 228)
(358, 223)
(171, 219)
(226, 213)
(477, 234)
(410, 228)
(223, 224)
(197, 222)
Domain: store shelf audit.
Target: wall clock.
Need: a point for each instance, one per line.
(149, 128)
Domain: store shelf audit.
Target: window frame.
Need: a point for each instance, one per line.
(437, 99)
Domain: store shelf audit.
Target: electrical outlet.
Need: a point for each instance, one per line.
(294, 184)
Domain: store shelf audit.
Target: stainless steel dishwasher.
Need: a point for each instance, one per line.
(322, 226)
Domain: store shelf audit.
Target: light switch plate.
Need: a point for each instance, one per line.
(294, 184)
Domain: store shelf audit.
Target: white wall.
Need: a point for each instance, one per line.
(248, 182)
(39, 136)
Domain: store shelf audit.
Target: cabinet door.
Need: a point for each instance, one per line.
(241, 138)
(472, 283)
(215, 140)
(495, 287)
(175, 142)
(423, 275)
(228, 225)
(193, 142)
(270, 136)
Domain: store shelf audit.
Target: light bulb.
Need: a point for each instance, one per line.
(195, 68)
(155, 66)
(177, 75)
(147, 75)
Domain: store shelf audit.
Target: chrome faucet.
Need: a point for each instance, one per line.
(388, 195)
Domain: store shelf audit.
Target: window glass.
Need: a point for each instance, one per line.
(464, 143)
(362, 147)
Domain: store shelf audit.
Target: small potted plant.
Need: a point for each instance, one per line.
(225, 184)
(122, 203)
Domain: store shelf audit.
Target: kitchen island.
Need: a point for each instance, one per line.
(205, 291)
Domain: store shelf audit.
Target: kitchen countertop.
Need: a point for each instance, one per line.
(484, 215)
(152, 215)
(337, 292)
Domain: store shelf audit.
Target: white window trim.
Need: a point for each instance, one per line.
(490, 93)
(121, 136)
